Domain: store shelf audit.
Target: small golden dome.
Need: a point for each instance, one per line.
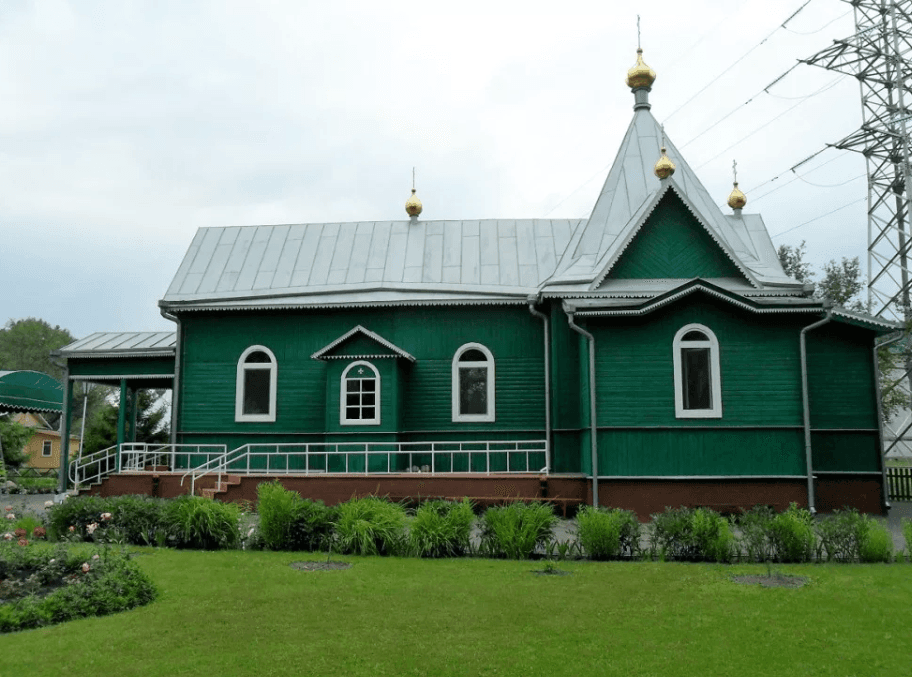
(737, 199)
(640, 75)
(664, 167)
(413, 205)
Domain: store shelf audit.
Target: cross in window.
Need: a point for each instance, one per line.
(360, 370)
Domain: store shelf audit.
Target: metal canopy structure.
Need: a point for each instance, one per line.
(30, 391)
(877, 55)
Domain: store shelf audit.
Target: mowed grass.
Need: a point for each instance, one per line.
(249, 613)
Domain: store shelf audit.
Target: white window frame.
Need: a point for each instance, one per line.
(46, 444)
(715, 374)
(343, 392)
(242, 368)
(487, 364)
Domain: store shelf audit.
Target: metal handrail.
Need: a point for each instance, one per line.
(442, 456)
(135, 456)
(83, 462)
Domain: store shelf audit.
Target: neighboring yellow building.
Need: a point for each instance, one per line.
(43, 449)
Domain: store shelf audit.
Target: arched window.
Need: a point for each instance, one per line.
(697, 378)
(359, 400)
(473, 383)
(255, 398)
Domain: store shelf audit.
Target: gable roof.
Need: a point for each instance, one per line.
(323, 353)
(122, 344)
(630, 194)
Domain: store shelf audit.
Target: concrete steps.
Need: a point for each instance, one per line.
(222, 487)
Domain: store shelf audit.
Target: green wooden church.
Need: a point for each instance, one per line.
(652, 355)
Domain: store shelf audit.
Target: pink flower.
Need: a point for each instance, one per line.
(106, 516)
(9, 508)
(85, 567)
(51, 561)
(8, 536)
(91, 527)
(23, 542)
(49, 504)
(72, 528)
(10, 516)
(95, 557)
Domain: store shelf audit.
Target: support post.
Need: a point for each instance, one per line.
(121, 418)
(63, 477)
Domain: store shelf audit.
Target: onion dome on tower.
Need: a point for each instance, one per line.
(737, 199)
(641, 75)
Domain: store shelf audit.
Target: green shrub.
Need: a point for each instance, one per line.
(841, 535)
(289, 522)
(370, 526)
(691, 534)
(277, 508)
(77, 512)
(139, 518)
(755, 527)
(792, 535)
(608, 533)
(441, 529)
(877, 544)
(111, 583)
(516, 530)
(201, 523)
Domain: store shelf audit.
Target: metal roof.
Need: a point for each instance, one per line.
(455, 260)
(632, 191)
(122, 344)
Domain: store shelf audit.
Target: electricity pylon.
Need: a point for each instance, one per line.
(877, 55)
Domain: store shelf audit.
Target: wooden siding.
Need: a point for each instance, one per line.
(117, 366)
(841, 377)
(673, 244)
(846, 451)
(306, 400)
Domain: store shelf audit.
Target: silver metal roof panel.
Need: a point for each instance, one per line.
(122, 344)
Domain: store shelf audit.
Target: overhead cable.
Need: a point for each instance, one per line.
(739, 60)
(801, 225)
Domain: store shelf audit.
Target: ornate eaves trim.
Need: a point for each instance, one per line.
(671, 185)
(321, 354)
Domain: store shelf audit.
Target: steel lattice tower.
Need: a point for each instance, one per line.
(877, 55)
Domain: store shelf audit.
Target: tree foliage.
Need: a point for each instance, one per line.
(793, 263)
(151, 423)
(13, 438)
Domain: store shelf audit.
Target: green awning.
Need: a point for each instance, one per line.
(30, 391)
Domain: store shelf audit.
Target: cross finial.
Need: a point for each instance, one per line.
(735, 171)
(638, 31)
(413, 178)
(663, 135)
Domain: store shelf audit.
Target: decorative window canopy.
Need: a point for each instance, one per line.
(361, 342)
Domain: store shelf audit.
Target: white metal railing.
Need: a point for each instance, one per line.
(373, 458)
(93, 467)
(138, 456)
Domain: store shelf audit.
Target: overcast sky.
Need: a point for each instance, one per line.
(125, 126)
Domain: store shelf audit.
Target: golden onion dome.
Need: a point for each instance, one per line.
(737, 199)
(413, 205)
(640, 75)
(664, 167)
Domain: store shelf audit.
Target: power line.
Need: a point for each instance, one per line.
(739, 60)
(801, 225)
(822, 27)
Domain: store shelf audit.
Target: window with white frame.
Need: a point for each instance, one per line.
(46, 448)
(359, 401)
(697, 378)
(255, 399)
(473, 383)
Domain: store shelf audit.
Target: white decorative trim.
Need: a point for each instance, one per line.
(343, 419)
(685, 292)
(715, 375)
(46, 444)
(368, 333)
(671, 185)
(108, 355)
(488, 365)
(272, 366)
(98, 377)
(177, 306)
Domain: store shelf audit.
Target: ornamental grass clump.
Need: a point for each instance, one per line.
(441, 529)
(691, 534)
(139, 518)
(370, 526)
(514, 531)
(607, 533)
(201, 523)
(289, 522)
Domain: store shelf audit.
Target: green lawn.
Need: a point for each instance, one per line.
(249, 613)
